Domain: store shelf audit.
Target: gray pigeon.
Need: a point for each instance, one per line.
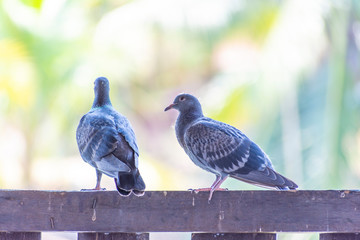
(222, 149)
(107, 142)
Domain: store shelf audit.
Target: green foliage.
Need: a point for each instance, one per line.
(33, 3)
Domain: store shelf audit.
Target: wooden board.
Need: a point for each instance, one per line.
(113, 236)
(20, 236)
(231, 211)
(233, 236)
(340, 236)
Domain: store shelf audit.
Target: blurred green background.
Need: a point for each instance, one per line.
(287, 73)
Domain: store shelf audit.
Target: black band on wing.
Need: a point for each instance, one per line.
(255, 161)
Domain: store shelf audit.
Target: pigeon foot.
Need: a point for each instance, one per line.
(206, 190)
(94, 189)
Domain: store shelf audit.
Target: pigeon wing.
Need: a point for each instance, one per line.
(227, 150)
(97, 139)
(264, 175)
(220, 147)
(124, 128)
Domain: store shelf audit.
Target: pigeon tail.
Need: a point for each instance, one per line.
(271, 180)
(130, 182)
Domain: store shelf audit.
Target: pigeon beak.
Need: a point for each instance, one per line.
(170, 107)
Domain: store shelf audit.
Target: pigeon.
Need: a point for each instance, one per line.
(107, 142)
(222, 149)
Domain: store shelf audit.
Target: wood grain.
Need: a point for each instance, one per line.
(113, 236)
(340, 236)
(176, 211)
(233, 236)
(20, 236)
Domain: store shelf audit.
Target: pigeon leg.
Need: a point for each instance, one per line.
(98, 180)
(214, 187)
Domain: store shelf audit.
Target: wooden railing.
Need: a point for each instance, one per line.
(230, 215)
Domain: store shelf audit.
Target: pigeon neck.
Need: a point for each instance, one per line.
(101, 99)
(186, 118)
(191, 115)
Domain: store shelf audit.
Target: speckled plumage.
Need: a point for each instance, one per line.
(107, 142)
(223, 149)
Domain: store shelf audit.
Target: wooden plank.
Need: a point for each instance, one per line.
(113, 236)
(20, 236)
(340, 236)
(233, 236)
(230, 211)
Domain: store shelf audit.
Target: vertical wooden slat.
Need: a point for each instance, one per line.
(340, 236)
(20, 236)
(233, 236)
(113, 236)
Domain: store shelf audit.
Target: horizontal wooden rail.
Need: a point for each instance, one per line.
(181, 211)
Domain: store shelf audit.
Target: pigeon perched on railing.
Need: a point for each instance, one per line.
(222, 149)
(107, 142)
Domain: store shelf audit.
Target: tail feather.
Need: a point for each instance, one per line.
(123, 192)
(130, 182)
(267, 178)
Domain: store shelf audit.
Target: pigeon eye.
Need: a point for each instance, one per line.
(182, 98)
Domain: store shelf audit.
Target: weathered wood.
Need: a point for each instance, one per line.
(230, 211)
(233, 236)
(113, 236)
(340, 236)
(20, 236)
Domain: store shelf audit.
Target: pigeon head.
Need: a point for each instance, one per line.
(101, 90)
(186, 103)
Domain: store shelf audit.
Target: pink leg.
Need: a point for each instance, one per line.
(214, 187)
(98, 180)
(97, 187)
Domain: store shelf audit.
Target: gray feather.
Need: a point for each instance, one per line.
(107, 142)
(223, 149)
